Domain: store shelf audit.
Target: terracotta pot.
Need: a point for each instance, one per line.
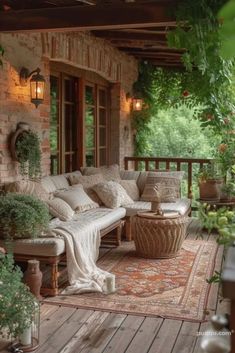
(210, 189)
(33, 278)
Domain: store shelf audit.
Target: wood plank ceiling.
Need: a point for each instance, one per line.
(136, 27)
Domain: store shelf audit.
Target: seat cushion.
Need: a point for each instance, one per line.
(52, 246)
(47, 246)
(181, 205)
(103, 217)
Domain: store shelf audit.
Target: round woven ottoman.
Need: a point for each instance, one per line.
(158, 236)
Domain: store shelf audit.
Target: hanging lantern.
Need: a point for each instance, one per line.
(37, 85)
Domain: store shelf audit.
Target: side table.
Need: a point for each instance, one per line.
(158, 236)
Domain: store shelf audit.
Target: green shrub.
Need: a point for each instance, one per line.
(22, 216)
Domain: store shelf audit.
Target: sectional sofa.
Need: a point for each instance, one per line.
(51, 251)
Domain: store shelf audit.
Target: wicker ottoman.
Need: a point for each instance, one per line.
(158, 236)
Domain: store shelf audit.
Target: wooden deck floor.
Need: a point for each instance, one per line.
(69, 330)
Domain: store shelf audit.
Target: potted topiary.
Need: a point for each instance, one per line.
(209, 183)
(25, 148)
(22, 216)
(17, 304)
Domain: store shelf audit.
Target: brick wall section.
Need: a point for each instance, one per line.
(80, 50)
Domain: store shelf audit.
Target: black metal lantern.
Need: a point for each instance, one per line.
(37, 85)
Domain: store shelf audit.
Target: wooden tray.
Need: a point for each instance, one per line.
(153, 215)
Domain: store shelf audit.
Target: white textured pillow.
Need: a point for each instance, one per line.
(48, 184)
(59, 208)
(131, 188)
(112, 194)
(77, 199)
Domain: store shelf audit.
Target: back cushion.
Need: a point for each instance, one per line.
(129, 174)
(109, 173)
(48, 184)
(168, 174)
(60, 182)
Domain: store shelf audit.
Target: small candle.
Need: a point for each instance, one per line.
(110, 283)
(25, 337)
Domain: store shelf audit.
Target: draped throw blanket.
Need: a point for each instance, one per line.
(82, 240)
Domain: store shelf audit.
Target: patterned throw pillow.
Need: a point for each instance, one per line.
(88, 181)
(77, 199)
(112, 194)
(59, 208)
(131, 188)
(111, 172)
(169, 188)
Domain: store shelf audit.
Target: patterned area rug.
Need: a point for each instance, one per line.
(170, 288)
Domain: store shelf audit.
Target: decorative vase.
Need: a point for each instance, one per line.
(33, 278)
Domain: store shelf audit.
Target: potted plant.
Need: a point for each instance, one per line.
(22, 216)
(25, 148)
(17, 304)
(209, 182)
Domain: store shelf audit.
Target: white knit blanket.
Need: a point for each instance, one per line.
(82, 240)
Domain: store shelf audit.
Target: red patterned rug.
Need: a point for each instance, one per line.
(170, 288)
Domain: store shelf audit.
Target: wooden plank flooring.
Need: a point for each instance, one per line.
(69, 330)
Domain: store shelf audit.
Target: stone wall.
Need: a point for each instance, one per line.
(77, 49)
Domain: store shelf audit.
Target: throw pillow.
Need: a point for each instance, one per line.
(88, 181)
(169, 188)
(77, 199)
(29, 187)
(131, 188)
(60, 182)
(111, 172)
(112, 194)
(59, 208)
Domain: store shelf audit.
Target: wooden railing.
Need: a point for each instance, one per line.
(168, 163)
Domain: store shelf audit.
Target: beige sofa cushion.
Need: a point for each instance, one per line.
(29, 187)
(60, 182)
(112, 194)
(144, 175)
(88, 181)
(59, 208)
(131, 188)
(129, 174)
(48, 184)
(111, 172)
(77, 199)
(182, 206)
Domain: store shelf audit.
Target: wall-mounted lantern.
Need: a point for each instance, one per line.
(136, 103)
(37, 84)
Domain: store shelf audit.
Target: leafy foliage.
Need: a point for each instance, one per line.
(17, 304)
(29, 154)
(22, 216)
(211, 75)
(226, 17)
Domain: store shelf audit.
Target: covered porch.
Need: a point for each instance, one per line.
(88, 53)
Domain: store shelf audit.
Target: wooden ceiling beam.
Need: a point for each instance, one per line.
(105, 16)
(154, 50)
(119, 35)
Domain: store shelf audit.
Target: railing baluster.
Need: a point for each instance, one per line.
(168, 165)
(147, 165)
(125, 163)
(156, 165)
(136, 164)
(190, 180)
(178, 166)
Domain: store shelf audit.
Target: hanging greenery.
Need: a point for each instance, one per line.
(209, 76)
(144, 88)
(29, 154)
